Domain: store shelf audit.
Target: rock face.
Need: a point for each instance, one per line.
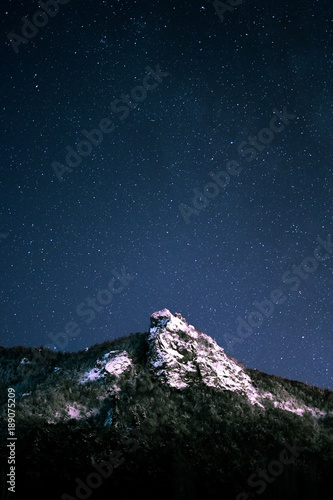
(178, 353)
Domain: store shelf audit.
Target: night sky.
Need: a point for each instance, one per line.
(206, 179)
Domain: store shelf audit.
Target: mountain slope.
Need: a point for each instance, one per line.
(180, 411)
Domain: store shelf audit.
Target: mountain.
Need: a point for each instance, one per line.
(161, 414)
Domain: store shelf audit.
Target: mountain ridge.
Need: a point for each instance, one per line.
(177, 354)
(204, 420)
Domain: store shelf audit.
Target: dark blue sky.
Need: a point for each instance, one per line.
(182, 99)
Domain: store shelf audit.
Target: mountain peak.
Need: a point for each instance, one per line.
(174, 352)
(163, 319)
(180, 355)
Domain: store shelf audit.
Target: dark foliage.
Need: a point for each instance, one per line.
(195, 443)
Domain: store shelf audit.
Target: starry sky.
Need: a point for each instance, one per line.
(167, 154)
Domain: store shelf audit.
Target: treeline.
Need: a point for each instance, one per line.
(194, 443)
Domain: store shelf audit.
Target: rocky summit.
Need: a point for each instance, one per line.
(179, 354)
(166, 413)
